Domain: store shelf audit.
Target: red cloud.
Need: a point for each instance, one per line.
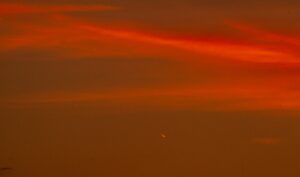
(95, 40)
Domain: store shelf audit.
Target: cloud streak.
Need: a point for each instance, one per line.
(89, 38)
(219, 49)
(265, 35)
(267, 141)
(202, 97)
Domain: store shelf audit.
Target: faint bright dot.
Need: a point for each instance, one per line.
(163, 136)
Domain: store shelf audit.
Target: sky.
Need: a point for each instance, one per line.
(149, 88)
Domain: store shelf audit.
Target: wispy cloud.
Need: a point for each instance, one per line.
(267, 141)
(89, 38)
(208, 97)
(265, 35)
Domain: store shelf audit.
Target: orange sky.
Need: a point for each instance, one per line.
(149, 88)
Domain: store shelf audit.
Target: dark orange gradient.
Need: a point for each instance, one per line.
(21, 8)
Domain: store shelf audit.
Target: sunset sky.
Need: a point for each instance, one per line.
(149, 88)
